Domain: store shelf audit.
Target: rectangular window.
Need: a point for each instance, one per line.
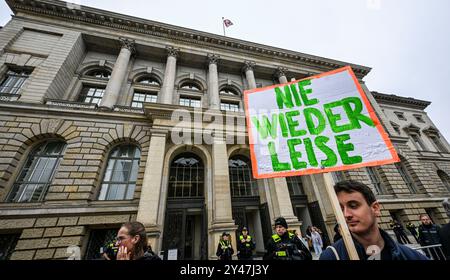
(418, 142)
(338, 176)
(13, 82)
(438, 144)
(7, 244)
(91, 94)
(98, 241)
(227, 106)
(190, 102)
(295, 185)
(139, 98)
(375, 180)
(419, 118)
(400, 116)
(405, 176)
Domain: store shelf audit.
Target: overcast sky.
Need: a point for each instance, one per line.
(407, 43)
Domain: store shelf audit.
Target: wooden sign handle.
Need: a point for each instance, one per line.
(346, 235)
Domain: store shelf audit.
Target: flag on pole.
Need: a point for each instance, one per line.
(227, 22)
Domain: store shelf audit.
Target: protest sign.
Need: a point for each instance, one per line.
(323, 123)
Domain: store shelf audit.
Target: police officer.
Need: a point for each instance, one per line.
(285, 245)
(245, 245)
(428, 236)
(109, 252)
(224, 249)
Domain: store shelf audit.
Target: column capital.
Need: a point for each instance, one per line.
(128, 44)
(213, 58)
(281, 71)
(248, 65)
(171, 51)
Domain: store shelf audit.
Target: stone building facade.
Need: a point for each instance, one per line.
(87, 99)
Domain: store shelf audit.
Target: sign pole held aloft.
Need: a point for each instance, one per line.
(346, 236)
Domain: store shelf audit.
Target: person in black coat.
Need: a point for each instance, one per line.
(400, 232)
(428, 236)
(284, 245)
(245, 245)
(224, 248)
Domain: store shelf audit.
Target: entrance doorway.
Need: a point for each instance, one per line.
(185, 223)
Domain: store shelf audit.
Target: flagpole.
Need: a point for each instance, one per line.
(223, 25)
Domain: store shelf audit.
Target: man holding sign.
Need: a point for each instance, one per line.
(320, 124)
(361, 210)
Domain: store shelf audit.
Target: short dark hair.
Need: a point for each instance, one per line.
(350, 186)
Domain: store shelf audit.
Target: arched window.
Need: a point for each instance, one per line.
(444, 178)
(241, 180)
(228, 91)
(406, 176)
(121, 173)
(187, 176)
(37, 173)
(295, 185)
(190, 86)
(148, 80)
(99, 73)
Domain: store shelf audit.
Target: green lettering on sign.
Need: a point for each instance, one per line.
(331, 160)
(295, 155)
(293, 124)
(266, 127)
(343, 149)
(284, 98)
(276, 164)
(313, 129)
(304, 92)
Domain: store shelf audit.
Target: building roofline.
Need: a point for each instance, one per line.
(400, 100)
(61, 9)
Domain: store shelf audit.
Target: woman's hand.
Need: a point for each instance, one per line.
(123, 254)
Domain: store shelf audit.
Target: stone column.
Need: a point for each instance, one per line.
(249, 75)
(213, 82)
(151, 188)
(281, 75)
(222, 219)
(167, 89)
(114, 85)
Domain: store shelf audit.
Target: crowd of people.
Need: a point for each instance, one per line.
(360, 209)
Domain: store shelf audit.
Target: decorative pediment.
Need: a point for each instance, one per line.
(412, 129)
(431, 130)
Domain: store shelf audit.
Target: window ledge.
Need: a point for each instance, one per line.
(70, 104)
(128, 109)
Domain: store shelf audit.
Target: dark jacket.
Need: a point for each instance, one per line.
(286, 247)
(224, 250)
(149, 256)
(444, 234)
(397, 251)
(245, 248)
(428, 235)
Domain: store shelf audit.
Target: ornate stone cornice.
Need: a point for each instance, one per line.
(213, 58)
(79, 13)
(399, 100)
(248, 65)
(171, 51)
(129, 44)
